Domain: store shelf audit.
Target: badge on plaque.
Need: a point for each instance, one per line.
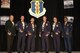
(37, 10)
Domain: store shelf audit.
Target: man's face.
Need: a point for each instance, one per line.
(65, 19)
(11, 17)
(44, 18)
(22, 18)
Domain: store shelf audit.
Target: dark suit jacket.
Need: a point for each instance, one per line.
(67, 29)
(31, 30)
(57, 29)
(9, 27)
(47, 28)
(19, 27)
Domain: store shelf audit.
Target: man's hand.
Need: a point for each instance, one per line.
(35, 36)
(26, 34)
(62, 36)
(9, 33)
(47, 34)
(39, 35)
(57, 33)
(29, 33)
(21, 30)
(51, 35)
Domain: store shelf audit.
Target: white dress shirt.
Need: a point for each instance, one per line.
(54, 25)
(43, 26)
(33, 27)
(23, 24)
(13, 23)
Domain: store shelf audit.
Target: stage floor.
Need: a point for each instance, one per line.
(44, 52)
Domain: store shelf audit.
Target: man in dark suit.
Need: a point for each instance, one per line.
(67, 34)
(56, 30)
(21, 27)
(31, 35)
(10, 29)
(44, 33)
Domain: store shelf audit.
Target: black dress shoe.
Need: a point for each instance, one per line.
(47, 52)
(23, 52)
(69, 52)
(28, 52)
(18, 52)
(57, 52)
(9, 51)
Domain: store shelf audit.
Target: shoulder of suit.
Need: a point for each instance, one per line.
(8, 21)
(29, 24)
(48, 22)
(59, 23)
(17, 23)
